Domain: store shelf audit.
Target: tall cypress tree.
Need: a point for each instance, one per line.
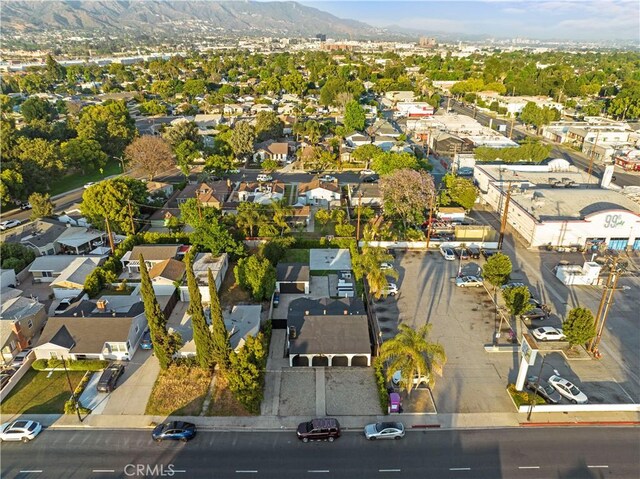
(201, 332)
(221, 343)
(164, 344)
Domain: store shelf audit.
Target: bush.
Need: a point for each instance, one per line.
(523, 398)
(79, 365)
(15, 256)
(383, 395)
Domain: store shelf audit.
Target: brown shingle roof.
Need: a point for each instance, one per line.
(313, 184)
(154, 252)
(88, 334)
(171, 269)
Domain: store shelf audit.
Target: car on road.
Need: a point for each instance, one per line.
(468, 281)
(19, 358)
(328, 178)
(21, 430)
(263, 177)
(366, 171)
(174, 430)
(544, 389)
(548, 333)
(315, 171)
(276, 299)
(89, 185)
(384, 430)
(463, 253)
(319, 429)
(5, 225)
(390, 290)
(396, 379)
(385, 266)
(535, 313)
(371, 179)
(448, 254)
(568, 389)
(26, 206)
(109, 378)
(145, 342)
(62, 307)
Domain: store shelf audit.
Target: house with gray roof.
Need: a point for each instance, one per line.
(45, 269)
(70, 282)
(40, 236)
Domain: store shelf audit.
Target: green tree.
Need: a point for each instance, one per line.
(406, 195)
(109, 124)
(35, 108)
(111, 199)
(16, 256)
(41, 206)
(247, 373)
(256, 275)
(411, 353)
(270, 165)
(194, 87)
(579, 327)
(219, 334)
(497, 269)
(150, 154)
(186, 153)
(249, 216)
(165, 345)
(201, 333)
(275, 249)
(182, 131)
(388, 162)
(366, 153)
(83, 155)
(517, 299)
(367, 265)
(242, 139)
(153, 107)
(40, 163)
(218, 164)
(354, 117)
(268, 126)
(11, 185)
(322, 217)
(458, 191)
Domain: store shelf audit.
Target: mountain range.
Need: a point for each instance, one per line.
(158, 17)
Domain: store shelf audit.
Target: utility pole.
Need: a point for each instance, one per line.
(431, 205)
(503, 222)
(113, 249)
(591, 157)
(605, 305)
(133, 225)
(359, 211)
(513, 119)
(73, 393)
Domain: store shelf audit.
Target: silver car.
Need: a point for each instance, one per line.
(384, 430)
(468, 281)
(568, 390)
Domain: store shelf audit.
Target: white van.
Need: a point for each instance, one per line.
(263, 177)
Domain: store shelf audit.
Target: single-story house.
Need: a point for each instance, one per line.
(365, 194)
(292, 278)
(47, 268)
(358, 139)
(73, 217)
(271, 151)
(169, 272)
(261, 193)
(299, 215)
(318, 192)
(242, 321)
(70, 282)
(152, 254)
(41, 236)
(79, 240)
(20, 320)
(202, 263)
(158, 188)
(211, 194)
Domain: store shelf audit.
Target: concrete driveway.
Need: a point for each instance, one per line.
(135, 385)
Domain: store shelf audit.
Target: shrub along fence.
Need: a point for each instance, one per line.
(79, 365)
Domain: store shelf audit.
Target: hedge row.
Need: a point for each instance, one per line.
(383, 394)
(80, 365)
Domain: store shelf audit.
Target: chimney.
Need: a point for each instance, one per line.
(292, 332)
(101, 304)
(346, 312)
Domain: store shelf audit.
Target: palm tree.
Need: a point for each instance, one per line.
(249, 216)
(411, 353)
(281, 211)
(368, 264)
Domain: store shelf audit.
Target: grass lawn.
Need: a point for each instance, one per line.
(296, 256)
(223, 402)
(71, 182)
(179, 391)
(38, 394)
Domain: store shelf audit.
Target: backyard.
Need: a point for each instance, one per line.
(296, 256)
(41, 392)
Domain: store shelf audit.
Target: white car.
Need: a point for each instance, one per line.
(24, 431)
(89, 185)
(391, 289)
(384, 266)
(5, 225)
(548, 333)
(384, 430)
(417, 380)
(262, 177)
(367, 172)
(328, 178)
(468, 281)
(568, 390)
(448, 254)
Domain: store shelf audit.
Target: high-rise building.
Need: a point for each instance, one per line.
(321, 37)
(427, 42)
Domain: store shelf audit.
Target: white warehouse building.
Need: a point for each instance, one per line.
(555, 205)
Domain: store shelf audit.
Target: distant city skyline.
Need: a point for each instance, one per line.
(560, 19)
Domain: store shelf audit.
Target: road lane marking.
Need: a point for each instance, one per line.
(459, 468)
(246, 472)
(103, 470)
(319, 470)
(528, 467)
(389, 470)
(179, 470)
(31, 471)
(598, 467)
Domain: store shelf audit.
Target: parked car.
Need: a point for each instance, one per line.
(385, 266)
(568, 390)
(145, 342)
(448, 254)
(174, 430)
(371, 179)
(512, 284)
(535, 313)
(109, 378)
(384, 430)
(367, 172)
(5, 225)
(5, 376)
(548, 333)
(62, 307)
(319, 429)
(474, 252)
(276, 299)
(328, 178)
(396, 379)
(545, 390)
(263, 177)
(462, 253)
(26, 206)
(21, 430)
(488, 253)
(233, 171)
(468, 281)
(89, 185)
(19, 358)
(390, 290)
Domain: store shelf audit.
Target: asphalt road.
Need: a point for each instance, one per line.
(581, 452)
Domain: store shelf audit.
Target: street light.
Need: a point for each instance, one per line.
(535, 389)
(121, 160)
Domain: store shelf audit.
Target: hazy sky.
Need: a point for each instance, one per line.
(560, 19)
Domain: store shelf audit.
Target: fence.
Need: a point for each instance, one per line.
(17, 376)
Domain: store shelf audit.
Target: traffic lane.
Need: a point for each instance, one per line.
(481, 453)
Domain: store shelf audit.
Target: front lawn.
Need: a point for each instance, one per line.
(296, 256)
(41, 392)
(76, 180)
(223, 402)
(179, 391)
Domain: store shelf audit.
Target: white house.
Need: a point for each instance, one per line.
(318, 192)
(413, 109)
(261, 193)
(201, 266)
(271, 151)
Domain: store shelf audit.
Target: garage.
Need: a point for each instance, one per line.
(292, 278)
(292, 288)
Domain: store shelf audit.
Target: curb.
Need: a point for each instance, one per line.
(581, 423)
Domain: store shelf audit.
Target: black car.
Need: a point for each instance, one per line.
(320, 429)
(462, 253)
(174, 430)
(474, 252)
(536, 313)
(488, 253)
(545, 390)
(276, 299)
(371, 179)
(109, 378)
